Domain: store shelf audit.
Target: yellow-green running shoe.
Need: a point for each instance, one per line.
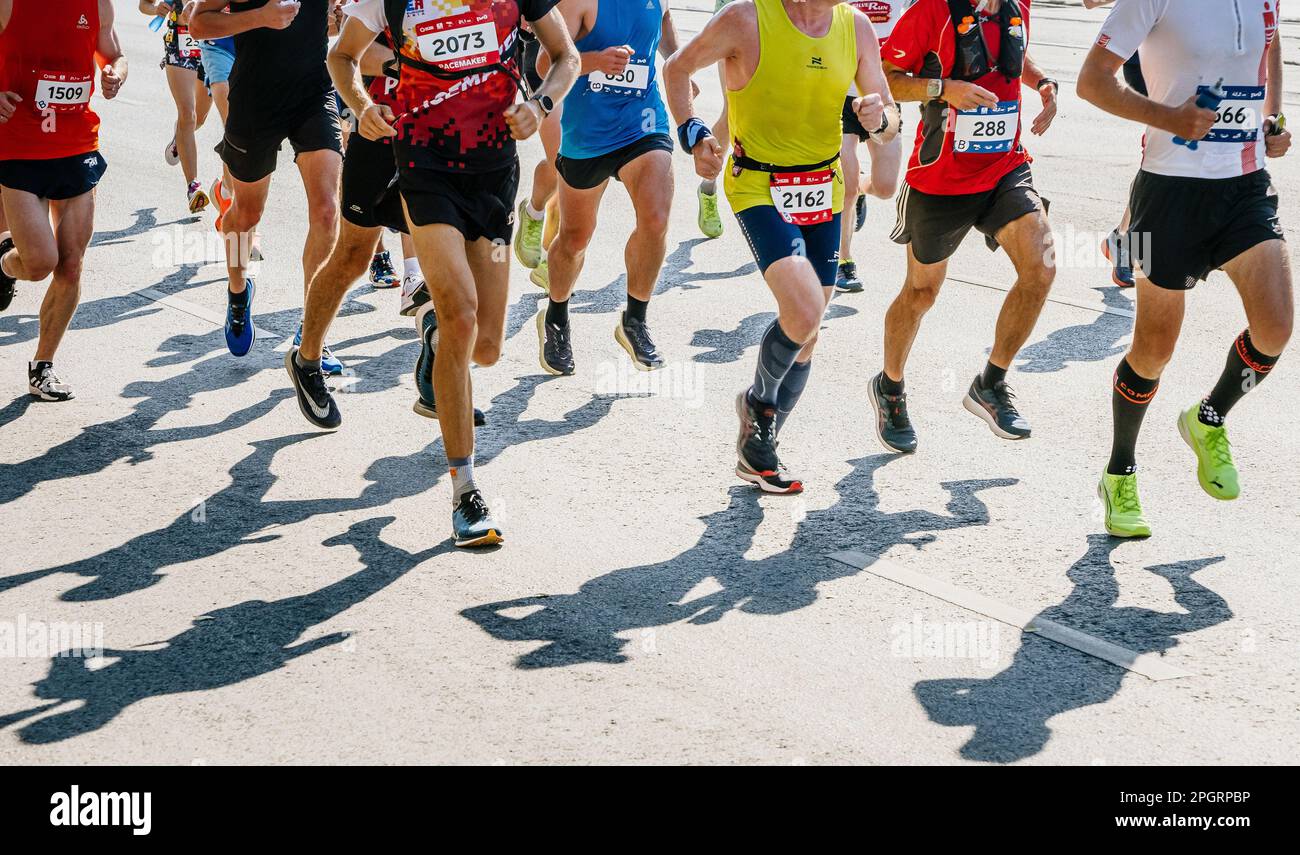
(541, 276)
(709, 219)
(528, 237)
(1119, 497)
(1214, 467)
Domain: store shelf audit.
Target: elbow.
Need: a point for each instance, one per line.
(199, 28)
(1088, 86)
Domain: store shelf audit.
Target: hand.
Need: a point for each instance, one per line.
(109, 82)
(1043, 120)
(376, 123)
(8, 104)
(523, 119)
(870, 110)
(162, 7)
(278, 15)
(186, 11)
(1190, 121)
(613, 60)
(1276, 145)
(708, 158)
(967, 96)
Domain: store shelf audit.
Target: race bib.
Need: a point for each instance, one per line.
(186, 45)
(986, 130)
(803, 198)
(1238, 118)
(62, 91)
(635, 78)
(458, 42)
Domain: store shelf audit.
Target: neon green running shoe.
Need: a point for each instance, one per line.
(528, 237)
(1214, 467)
(541, 276)
(1119, 497)
(709, 219)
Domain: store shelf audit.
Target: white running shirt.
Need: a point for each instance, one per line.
(1186, 44)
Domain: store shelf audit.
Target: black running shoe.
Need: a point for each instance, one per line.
(756, 441)
(634, 335)
(426, 405)
(860, 212)
(893, 427)
(846, 278)
(779, 481)
(43, 383)
(553, 349)
(8, 284)
(472, 523)
(314, 397)
(995, 408)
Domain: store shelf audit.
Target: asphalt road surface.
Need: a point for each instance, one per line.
(262, 592)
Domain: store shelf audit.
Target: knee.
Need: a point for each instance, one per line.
(570, 242)
(40, 263)
(1038, 279)
(653, 222)
(243, 215)
(921, 295)
(1150, 353)
(486, 352)
(68, 270)
(1272, 336)
(802, 321)
(186, 121)
(457, 325)
(324, 215)
(884, 188)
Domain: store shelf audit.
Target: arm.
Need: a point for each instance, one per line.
(577, 19)
(667, 35)
(154, 8)
(875, 107)
(209, 20)
(719, 40)
(1033, 77)
(108, 53)
(1099, 86)
(373, 60)
(374, 122)
(523, 119)
(1276, 141)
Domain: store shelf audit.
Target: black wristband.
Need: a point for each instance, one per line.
(691, 131)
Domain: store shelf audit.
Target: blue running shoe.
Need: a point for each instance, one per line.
(425, 404)
(472, 523)
(382, 274)
(240, 332)
(330, 365)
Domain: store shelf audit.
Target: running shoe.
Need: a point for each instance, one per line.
(314, 397)
(223, 202)
(330, 365)
(240, 332)
(554, 351)
(414, 295)
(860, 212)
(171, 154)
(1119, 498)
(198, 200)
(1214, 466)
(995, 407)
(43, 383)
(528, 237)
(541, 276)
(1121, 271)
(382, 274)
(426, 404)
(634, 336)
(8, 284)
(255, 251)
(756, 458)
(709, 220)
(893, 426)
(472, 523)
(780, 481)
(846, 278)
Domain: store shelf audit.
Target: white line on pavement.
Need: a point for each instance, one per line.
(189, 308)
(1149, 665)
(1092, 307)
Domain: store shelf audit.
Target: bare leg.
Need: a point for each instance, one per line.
(320, 172)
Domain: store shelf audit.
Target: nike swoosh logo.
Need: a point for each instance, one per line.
(320, 412)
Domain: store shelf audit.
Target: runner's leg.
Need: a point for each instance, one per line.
(238, 225)
(36, 252)
(74, 223)
(348, 262)
(903, 318)
(1028, 243)
(182, 83)
(320, 172)
(649, 181)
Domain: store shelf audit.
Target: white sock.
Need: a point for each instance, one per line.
(709, 187)
(462, 476)
(411, 267)
(533, 212)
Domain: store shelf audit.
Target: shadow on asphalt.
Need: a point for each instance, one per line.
(1091, 342)
(584, 626)
(730, 345)
(1010, 710)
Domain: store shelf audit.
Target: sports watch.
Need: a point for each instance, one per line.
(545, 102)
(934, 87)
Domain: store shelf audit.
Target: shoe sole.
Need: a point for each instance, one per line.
(1200, 478)
(299, 393)
(199, 202)
(541, 347)
(626, 344)
(699, 222)
(1101, 494)
(519, 242)
(857, 290)
(382, 285)
(419, 326)
(534, 278)
(411, 310)
(41, 396)
(875, 408)
(972, 406)
(758, 481)
(169, 157)
(491, 538)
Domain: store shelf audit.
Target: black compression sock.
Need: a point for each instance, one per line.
(776, 353)
(992, 375)
(1246, 368)
(636, 309)
(1129, 399)
(791, 388)
(557, 314)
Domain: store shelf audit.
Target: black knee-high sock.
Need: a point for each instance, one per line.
(1129, 399)
(791, 388)
(776, 353)
(1246, 369)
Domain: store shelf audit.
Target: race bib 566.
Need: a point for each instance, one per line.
(1239, 115)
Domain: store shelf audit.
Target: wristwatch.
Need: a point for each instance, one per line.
(934, 87)
(545, 102)
(1043, 81)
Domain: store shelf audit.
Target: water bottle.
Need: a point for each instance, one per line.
(156, 23)
(1210, 99)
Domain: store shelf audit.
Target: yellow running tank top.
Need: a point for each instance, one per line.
(789, 112)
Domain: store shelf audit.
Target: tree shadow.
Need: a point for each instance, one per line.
(1010, 711)
(221, 648)
(1091, 342)
(585, 626)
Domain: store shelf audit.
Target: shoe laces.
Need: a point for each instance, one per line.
(1126, 495)
(1004, 394)
(896, 409)
(1218, 446)
(239, 314)
(47, 379)
(639, 332)
(473, 507)
(559, 335)
(849, 269)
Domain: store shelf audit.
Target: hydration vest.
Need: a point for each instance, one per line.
(395, 13)
(971, 59)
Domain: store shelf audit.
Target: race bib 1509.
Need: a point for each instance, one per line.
(986, 130)
(62, 91)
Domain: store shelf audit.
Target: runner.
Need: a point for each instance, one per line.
(613, 126)
(279, 89)
(538, 214)
(783, 111)
(185, 78)
(458, 173)
(885, 158)
(49, 157)
(968, 169)
(1211, 206)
